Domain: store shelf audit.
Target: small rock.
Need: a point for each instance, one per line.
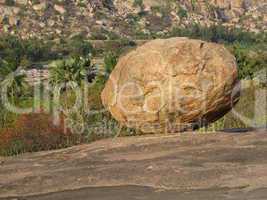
(222, 14)
(42, 25)
(235, 20)
(59, 9)
(173, 13)
(22, 2)
(99, 22)
(247, 4)
(58, 31)
(16, 10)
(51, 22)
(159, 15)
(13, 21)
(40, 6)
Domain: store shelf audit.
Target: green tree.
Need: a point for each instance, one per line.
(74, 69)
(11, 49)
(80, 47)
(13, 86)
(10, 2)
(110, 61)
(138, 3)
(249, 61)
(12, 78)
(182, 13)
(193, 3)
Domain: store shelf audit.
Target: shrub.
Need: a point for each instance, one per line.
(118, 47)
(38, 50)
(99, 35)
(112, 35)
(75, 69)
(10, 2)
(12, 80)
(110, 61)
(250, 61)
(219, 34)
(25, 62)
(182, 13)
(13, 49)
(35, 2)
(194, 4)
(78, 46)
(133, 19)
(35, 132)
(138, 3)
(6, 118)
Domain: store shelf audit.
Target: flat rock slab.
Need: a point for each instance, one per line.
(141, 192)
(184, 166)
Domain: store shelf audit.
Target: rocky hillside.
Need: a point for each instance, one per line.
(110, 19)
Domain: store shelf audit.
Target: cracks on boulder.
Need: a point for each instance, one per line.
(202, 45)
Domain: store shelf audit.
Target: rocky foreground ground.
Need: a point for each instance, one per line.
(182, 166)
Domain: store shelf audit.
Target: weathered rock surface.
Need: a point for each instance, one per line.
(220, 166)
(172, 85)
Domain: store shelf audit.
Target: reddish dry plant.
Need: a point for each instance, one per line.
(36, 132)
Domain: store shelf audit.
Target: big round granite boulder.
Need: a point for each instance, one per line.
(172, 85)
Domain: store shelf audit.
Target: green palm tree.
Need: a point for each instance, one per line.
(12, 85)
(70, 70)
(12, 78)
